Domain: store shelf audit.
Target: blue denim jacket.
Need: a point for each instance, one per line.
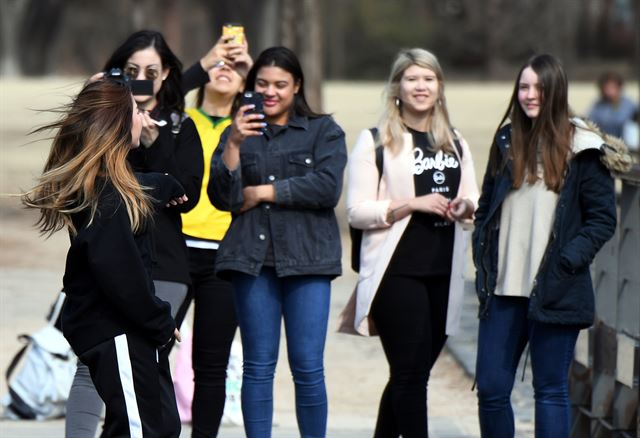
(305, 162)
(585, 219)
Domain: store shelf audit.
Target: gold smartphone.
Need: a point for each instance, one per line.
(236, 30)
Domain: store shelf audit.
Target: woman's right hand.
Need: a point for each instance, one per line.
(150, 131)
(245, 125)
(433, 203)
(95, 78)
(224, 50)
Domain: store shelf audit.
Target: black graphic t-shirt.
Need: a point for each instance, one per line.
(426, 246)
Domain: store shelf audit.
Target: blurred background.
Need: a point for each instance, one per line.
(338, 39)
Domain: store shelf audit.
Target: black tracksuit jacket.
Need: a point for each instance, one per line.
(107, 276)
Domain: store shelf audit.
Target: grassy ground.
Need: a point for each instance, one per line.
(475, 108)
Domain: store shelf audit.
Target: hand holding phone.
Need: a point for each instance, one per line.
(249, 119)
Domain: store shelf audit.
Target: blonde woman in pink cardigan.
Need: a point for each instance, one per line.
(414, 241)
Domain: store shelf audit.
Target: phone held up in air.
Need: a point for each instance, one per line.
(253, 98)
(236, 30)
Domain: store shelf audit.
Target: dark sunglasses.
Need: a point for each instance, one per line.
(149, 73)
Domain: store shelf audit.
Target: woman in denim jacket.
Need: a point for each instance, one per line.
(547, 206)
(280, 174)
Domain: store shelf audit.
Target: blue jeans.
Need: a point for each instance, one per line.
(261, 303)
(501, 340)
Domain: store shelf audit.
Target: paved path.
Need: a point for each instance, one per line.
(463, 348)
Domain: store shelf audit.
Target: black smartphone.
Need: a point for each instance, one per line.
(252, 97)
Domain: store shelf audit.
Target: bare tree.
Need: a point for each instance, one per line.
(37, 31)
(11, 13)
(310, 51)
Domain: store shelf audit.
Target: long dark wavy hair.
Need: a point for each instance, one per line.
(170, 97)
(551, 131)
(287, 60)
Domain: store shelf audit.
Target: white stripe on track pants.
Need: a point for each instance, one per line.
(135, 383)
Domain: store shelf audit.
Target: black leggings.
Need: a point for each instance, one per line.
(214, 326)
(410, 315)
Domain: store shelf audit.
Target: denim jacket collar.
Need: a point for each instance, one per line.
(296, 121)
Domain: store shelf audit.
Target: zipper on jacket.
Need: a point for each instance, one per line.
(552, 238)
(485, 312)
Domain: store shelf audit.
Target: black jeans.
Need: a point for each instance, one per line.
(410, 315)
(214, 326)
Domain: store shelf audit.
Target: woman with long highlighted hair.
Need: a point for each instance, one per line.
(112, 318)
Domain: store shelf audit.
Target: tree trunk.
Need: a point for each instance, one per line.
(11, 13)
(172, 24)
(37, 35)
(310, 51)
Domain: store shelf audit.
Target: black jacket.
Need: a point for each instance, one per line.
(585, 219)
(305, 162)
(180, 155)
(107, 276)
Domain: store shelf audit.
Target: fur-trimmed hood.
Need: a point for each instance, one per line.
(615, 154)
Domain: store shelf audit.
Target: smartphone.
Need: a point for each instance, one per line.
(237, 30)
(252, 97)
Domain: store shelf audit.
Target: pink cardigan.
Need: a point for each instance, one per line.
(367, 209)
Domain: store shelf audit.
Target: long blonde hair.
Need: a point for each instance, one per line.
(391, 125)
(91, 145)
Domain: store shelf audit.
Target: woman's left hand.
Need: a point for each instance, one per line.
(150, 131)
(459, 209)
(242, 62)
(255, 195)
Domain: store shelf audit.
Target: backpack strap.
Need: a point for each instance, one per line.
(356, 234)
(14, 362)
(456, 142)
(379, 151)
(176, 121)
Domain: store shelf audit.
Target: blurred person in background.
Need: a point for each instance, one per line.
(612, 109)
(547, 206)
(411, 280)
(280, 174)
(631, 133)
(214, 318)
(111, 318)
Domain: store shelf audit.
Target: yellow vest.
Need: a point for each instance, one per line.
(204, 221)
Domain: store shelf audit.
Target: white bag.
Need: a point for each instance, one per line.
(40, 374)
